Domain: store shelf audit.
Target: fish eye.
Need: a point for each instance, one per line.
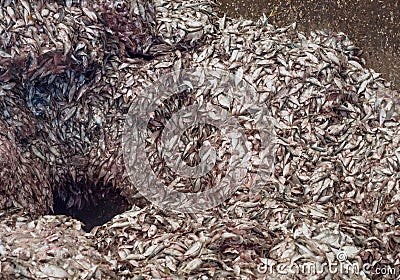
(118, 5)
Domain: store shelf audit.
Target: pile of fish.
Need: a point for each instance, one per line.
(59, 113)
(332, 196)
(52, 247)
(39, 41)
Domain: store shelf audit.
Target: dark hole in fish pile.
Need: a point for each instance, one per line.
(94, 207)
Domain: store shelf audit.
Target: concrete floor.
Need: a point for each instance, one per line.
(373, 25)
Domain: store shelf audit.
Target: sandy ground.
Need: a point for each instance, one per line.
(373, 25)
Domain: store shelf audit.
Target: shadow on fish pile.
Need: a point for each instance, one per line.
(334, 186)
(63, 95)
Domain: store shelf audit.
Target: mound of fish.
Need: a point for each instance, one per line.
(332, 195)
(52, 247)
(60, 111)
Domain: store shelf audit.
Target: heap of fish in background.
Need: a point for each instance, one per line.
(46, 38)
(334, 185)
